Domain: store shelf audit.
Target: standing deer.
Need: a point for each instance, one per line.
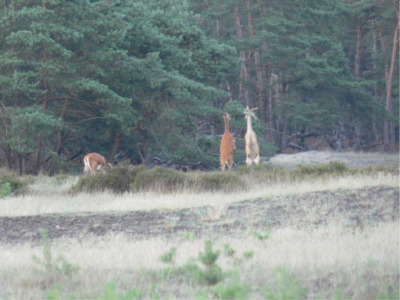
(252, 147)
(227, 145)
(94, 162)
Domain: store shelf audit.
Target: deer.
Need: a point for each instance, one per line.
(252, 147)
(227, 146)
(94, 162)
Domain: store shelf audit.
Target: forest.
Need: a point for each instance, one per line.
(148, 81)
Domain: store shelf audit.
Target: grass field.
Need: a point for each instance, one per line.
(295, 235)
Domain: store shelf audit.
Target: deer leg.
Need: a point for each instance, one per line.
(230, 163)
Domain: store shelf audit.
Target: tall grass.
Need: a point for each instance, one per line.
(316, 262)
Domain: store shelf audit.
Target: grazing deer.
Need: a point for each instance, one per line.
(252, 147)
(94, 162)
(227, 145)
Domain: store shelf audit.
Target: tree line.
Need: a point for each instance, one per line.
(148, 81)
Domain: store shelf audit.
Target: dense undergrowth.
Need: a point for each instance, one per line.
(139, 179)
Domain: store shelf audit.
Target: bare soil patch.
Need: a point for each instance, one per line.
(354, 208)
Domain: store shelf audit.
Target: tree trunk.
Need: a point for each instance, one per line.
(389, 128)
(243, 90)
(357, 66)
(118, 139)
(218, 31)
(21, 164)
(271, 128)
(270, 132)
(374, 67)
(9, 164)
(260, 87)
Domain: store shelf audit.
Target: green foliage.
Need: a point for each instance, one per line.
(228, 250)
(338, 295)
(66, 86)
(117, 179)
(261, 168)
(169, 256)
(212, 273)
(161, 179)
(189, 272)
(208, 257)
(286, 287)
(56, 293)
(111, 293)
(139, 179)
(333, 168)
(248, 254)
(186, 236)
(29, 125)
(228, 182)
(233, 289)
(12, 183)
(261, 236)
(135, 179)
(54, 268)
(5, 189)
(388, 292)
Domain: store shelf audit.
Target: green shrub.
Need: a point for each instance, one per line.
(139, 179)
(160, 179)
(186, 236)
(117, 180)
(53, 268)
(228, 250)
(263, 173)
(212, 273)
(261, 236)
(227, 182)
(333, 168)
(261, 168)
(387, 293)
(233, 289)
(169, 256)
(208, 257)
(18, 185)
(189, 272)
(286, 287)
(110, 293)
(5, 189)
(248, 254)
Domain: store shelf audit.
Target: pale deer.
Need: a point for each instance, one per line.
(227, 145)
(252, 147)
(94, 162)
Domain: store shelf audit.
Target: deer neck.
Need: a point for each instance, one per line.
(249, 127)
(226, 124)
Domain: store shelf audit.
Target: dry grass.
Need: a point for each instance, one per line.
(359, 263)
(351, 159)
(48, 197)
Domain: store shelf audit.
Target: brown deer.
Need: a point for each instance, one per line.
(94, 162)
(227, 145)
(252, 147)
